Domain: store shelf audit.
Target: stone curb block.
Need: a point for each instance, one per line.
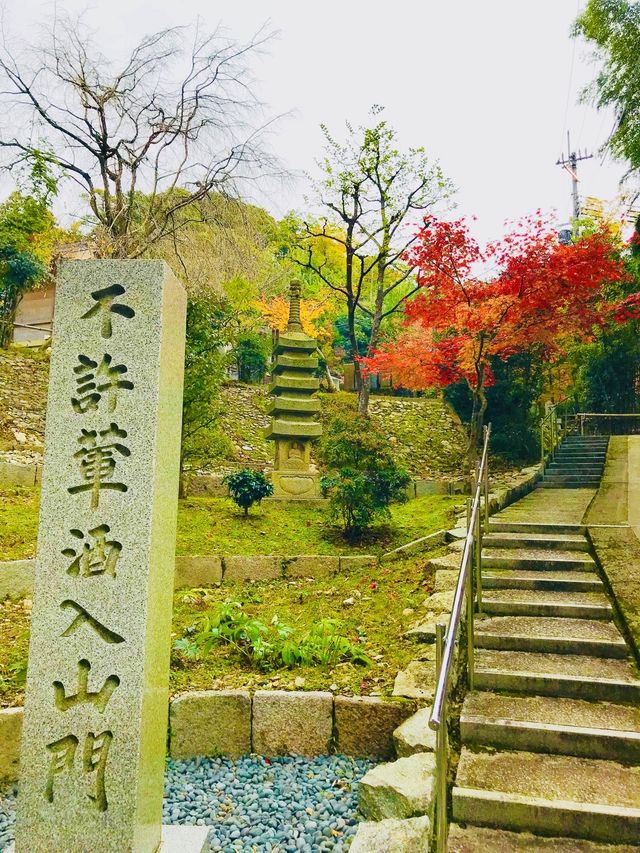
(16, 578)
(20, 475)
(198, 571)
(364, 725)
(310, 566)
(297, 723)
(219, 722)
(211, 722)
(258, 568)
(425, 543)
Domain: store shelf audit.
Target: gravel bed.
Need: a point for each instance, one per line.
(7, 817)
(255, 804)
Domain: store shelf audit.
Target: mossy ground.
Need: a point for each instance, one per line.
(375, 620)
(216, 526)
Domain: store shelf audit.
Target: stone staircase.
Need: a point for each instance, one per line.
(551, 733)
(578, 463)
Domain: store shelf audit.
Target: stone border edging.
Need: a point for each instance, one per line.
(268, 722)
(15, 474)
(211, 485)
(16, 576)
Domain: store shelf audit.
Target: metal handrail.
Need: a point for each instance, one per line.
(581, 418)
(550, 428)
(446, 638)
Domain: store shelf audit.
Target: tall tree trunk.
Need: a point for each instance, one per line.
(376, 320)
(476, 422)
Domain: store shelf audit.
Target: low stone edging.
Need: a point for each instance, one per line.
(425, 543)
(16, 576)
(212, 485)
(268, 722)
(14, 474)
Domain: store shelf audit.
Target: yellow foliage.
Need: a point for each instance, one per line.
(276, 312)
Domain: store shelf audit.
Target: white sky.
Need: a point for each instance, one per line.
(489, 87)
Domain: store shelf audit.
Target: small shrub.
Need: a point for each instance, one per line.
(363, 477)
(272, 646)
(248, 487)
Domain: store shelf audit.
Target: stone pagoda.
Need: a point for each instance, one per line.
(294, 409)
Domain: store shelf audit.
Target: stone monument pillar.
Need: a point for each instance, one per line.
(95, 723)
(294, 409)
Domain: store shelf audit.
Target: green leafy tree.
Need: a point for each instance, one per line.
(205, 370)
(372, 193)
(251, 352)
(27, 229)
(363, 477)
(613, 28)
(248, 487)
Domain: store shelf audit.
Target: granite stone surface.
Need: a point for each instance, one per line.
(365, 724)
(94, 733)
(292, 723)
(211, 723)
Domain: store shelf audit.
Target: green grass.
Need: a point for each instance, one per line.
(18, 522)
(381, 604)
(215, 526)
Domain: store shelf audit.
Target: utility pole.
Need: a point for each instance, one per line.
(571, 166)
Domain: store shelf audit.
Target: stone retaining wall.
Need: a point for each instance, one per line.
(268, 722)
(16, 576)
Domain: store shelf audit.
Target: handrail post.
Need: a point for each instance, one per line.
(470, 625)
(486, 486)
(478, 556)
(442, 756)
(542, 444)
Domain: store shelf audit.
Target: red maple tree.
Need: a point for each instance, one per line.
(475, 304)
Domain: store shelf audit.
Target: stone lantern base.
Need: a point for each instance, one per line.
(294, 477)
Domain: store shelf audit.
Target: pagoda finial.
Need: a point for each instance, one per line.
(294, 324)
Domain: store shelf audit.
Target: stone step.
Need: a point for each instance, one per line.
(549, 794)
(569, 581)
(573, 676)
(567, 468)
(584, 441)
(566, 482)
(570, 459)
(551, 635)
(482, 839)
(536, 558)
(547, 724)
(549, 541)
(534, 602)
(504, 525)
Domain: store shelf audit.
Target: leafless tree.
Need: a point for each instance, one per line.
(146, 139)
